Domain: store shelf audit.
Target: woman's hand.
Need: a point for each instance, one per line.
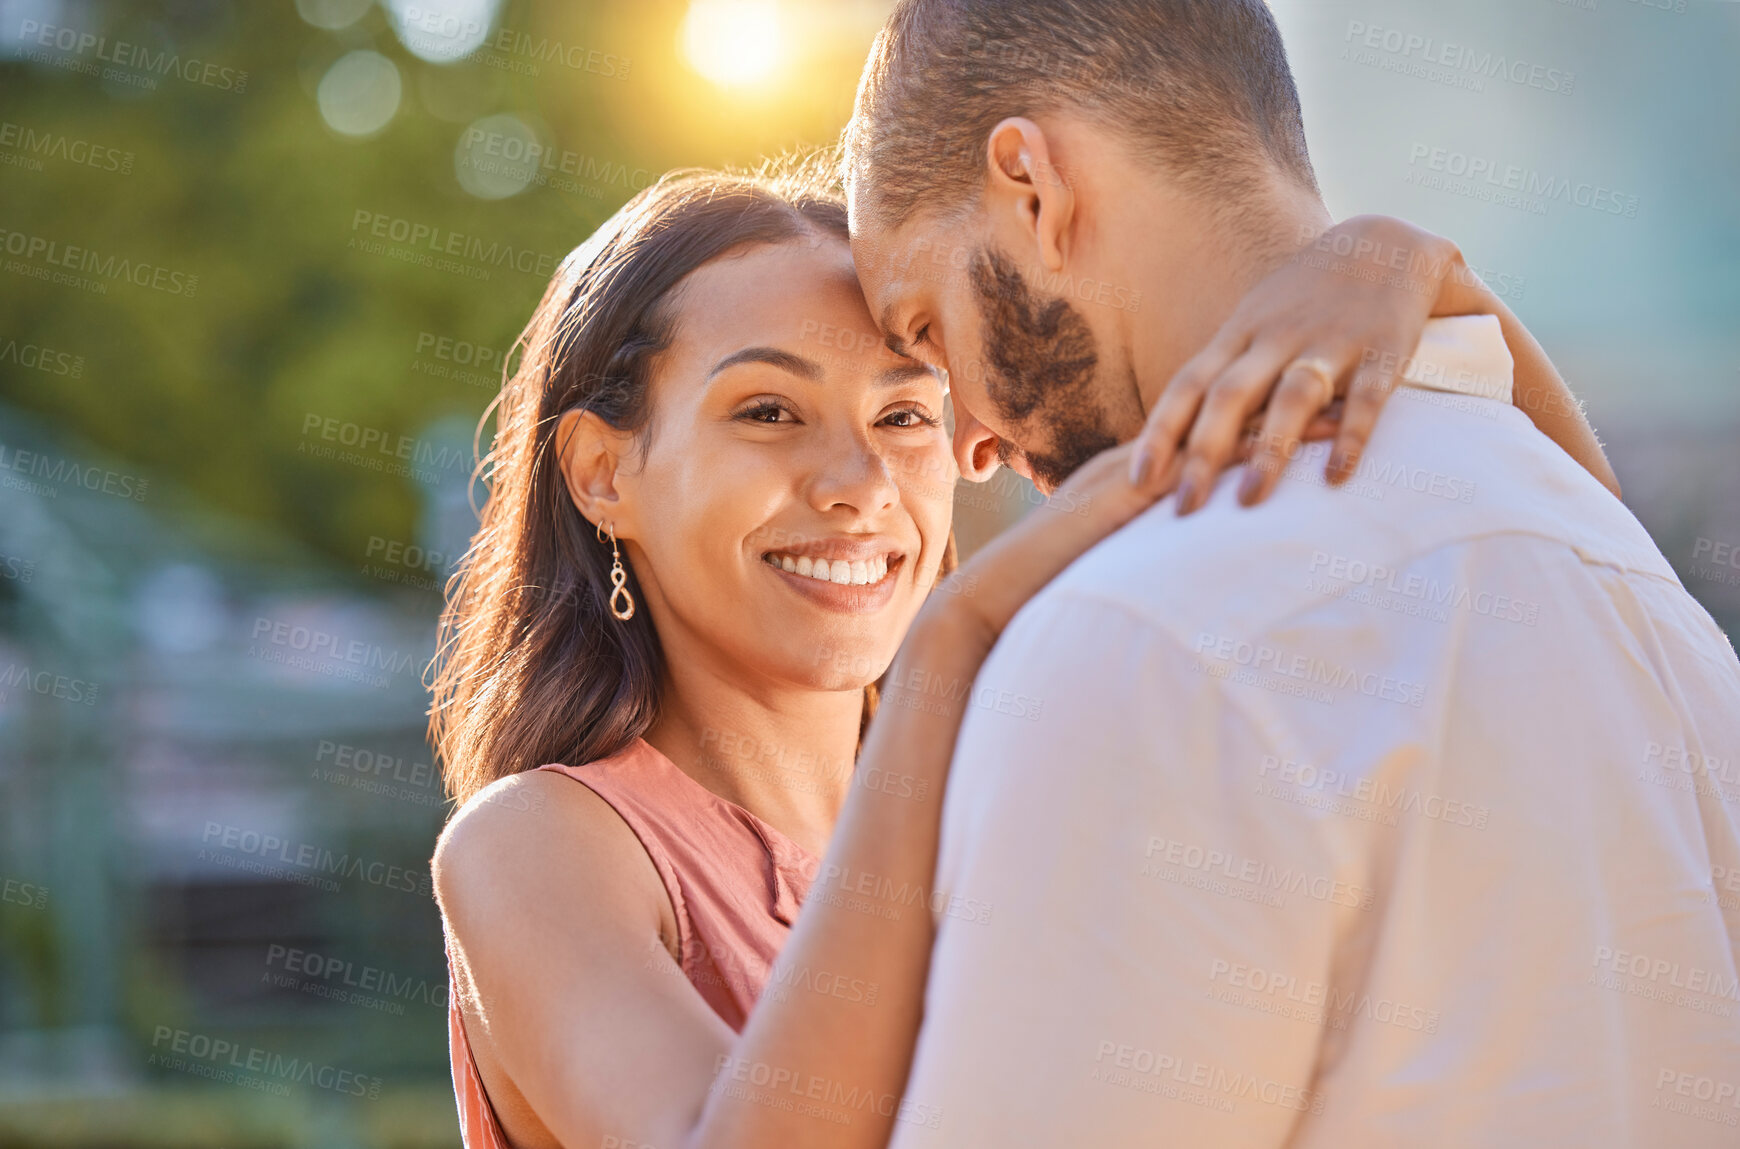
(1297, 342)
(1321, 327)
(1312, 352)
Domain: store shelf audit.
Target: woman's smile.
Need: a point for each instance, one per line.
(844, 575)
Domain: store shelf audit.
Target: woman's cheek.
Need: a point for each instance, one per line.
(927, 475)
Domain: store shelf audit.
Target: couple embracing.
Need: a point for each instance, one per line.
(1323, 764)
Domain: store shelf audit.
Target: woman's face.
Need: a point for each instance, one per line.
(793, 503)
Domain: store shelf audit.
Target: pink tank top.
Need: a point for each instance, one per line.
(734, 881)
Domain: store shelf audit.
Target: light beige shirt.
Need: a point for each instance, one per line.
(1401, 815)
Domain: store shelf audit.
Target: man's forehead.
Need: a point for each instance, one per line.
(894, 265)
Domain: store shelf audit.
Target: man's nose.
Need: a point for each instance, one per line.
(975, 446)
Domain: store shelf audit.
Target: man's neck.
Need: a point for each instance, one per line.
(1196, 274)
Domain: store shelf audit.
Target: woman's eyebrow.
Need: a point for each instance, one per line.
(773, 357)
(901, 372)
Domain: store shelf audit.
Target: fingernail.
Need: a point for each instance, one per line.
(1340, 465)
(1186, 496)
(1250, 486)
(1139, 467)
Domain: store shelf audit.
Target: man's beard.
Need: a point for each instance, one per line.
(1040, 365)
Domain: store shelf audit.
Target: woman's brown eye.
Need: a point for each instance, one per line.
(763, 413)
(908, 417)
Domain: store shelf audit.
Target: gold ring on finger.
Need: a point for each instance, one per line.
(1318, 367)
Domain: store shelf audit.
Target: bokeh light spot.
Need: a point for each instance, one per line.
(332, 14)
(443, 31)
(497, 157)
(360, 93)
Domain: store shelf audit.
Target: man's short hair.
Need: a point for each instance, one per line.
(1200, 87)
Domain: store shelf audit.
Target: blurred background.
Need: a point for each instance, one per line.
(262, 261)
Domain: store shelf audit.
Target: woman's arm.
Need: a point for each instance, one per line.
(1360, 315)
(1539, 391)
(869, 914)
(554, 913)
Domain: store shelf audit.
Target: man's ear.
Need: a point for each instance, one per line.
(590, 452)
(1023, 177)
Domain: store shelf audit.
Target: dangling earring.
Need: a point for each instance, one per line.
(618, 578)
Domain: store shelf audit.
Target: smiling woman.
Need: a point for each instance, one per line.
(674, 391)
(717, 502)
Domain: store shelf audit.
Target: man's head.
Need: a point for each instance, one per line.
(1053, 199)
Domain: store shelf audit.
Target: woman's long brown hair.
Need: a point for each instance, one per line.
(530, 665)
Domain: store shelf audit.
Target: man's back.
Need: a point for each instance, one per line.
(1407, 814)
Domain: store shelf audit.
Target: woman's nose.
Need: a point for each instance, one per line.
(854, 474)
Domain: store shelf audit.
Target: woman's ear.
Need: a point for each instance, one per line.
(1023, 177)
(590, 453)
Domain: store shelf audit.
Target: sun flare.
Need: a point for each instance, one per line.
(733, 42)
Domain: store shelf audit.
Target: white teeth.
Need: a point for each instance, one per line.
(843, 572)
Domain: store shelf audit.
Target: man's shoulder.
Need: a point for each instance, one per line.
(1434, 477)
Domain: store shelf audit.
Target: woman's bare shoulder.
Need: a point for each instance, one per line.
(539, 837)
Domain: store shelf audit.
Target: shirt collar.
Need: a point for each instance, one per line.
(1463, 354)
